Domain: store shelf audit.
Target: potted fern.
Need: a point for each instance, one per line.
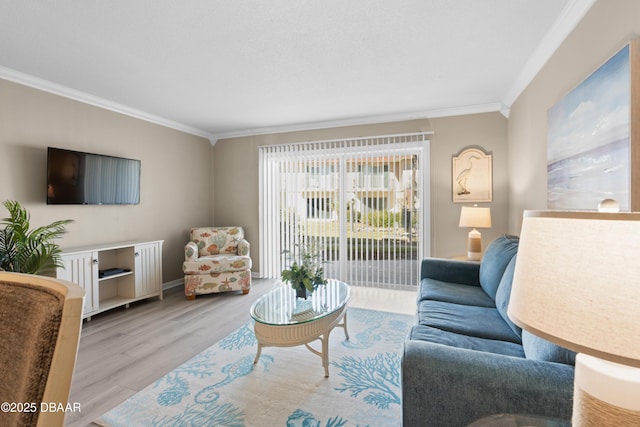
(305, 271)
(29, 251)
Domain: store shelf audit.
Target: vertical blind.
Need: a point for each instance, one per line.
(364, 202)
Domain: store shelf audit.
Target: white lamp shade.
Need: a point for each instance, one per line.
(577, 282)
(475, 217)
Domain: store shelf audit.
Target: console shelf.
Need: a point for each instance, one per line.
(114, 276)
(142, 278)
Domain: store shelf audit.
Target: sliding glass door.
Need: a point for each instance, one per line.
(362, 202)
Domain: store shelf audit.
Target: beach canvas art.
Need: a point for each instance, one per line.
(589, 140)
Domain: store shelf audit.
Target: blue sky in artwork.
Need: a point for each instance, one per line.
(594, 114)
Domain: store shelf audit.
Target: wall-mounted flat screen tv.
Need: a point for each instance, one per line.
(77, 178)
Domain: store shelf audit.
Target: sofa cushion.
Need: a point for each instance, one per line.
(438, 336)
(217, 264)
(481, 322)
(504, 293)
(451, 270)
(537, 348)
(495, 261)
(436, 290)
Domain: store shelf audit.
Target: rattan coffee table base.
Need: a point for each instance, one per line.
(302, 333)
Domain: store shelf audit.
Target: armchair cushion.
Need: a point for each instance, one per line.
(217, 264)
(217, 240)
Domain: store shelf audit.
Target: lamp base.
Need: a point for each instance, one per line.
(474, 246)
(605, 393)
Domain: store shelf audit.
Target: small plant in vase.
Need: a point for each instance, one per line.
(305, 271)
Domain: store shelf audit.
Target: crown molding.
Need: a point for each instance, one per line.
(569, 18)
(571, 15)
(367, 120)
(66, 92)
(76, 95)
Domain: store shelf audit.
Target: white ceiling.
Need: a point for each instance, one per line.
(221, 68)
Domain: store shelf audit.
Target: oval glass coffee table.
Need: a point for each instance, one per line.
(281, 320)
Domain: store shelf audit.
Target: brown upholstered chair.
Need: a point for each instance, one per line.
(40, 322)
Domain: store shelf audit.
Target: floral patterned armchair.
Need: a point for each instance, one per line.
(216, 259)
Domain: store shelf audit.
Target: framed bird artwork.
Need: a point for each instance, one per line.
(472, 176)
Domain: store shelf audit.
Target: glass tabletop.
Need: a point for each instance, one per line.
(281, 307)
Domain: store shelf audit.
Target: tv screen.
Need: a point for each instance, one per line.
(77, 178)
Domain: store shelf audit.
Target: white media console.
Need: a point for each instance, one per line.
(114, 275)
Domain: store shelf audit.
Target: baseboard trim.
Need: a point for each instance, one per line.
(172, 284)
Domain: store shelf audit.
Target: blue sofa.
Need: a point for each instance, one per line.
(464, 359)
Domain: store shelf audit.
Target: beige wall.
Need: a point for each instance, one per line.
(603, 31)
(176, 190)
(236, 173)
(31, 120)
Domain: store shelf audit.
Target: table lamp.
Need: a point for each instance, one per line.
(577, 284)
(475, 217)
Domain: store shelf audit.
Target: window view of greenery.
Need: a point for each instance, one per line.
(374, 199)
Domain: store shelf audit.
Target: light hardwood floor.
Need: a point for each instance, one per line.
(124, 350)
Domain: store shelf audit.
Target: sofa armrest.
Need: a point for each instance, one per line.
(449, 270)
(243, 247)
(448, 386)
(191, 252)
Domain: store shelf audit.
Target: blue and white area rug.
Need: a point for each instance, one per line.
(222, 387)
